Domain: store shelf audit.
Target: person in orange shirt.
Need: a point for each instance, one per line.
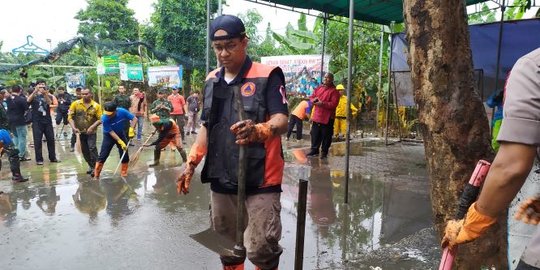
(179, 110)
(300, 113)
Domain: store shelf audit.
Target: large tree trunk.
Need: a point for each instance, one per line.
(452, 116)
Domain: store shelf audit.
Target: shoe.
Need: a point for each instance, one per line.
(193, 132)
(55, 161)
(287, 139)
(24, 159)
(19, 179)
(39, 163)
(90, 170)
(312, 154)
(131, 144)
(72, 149)
(324, 156)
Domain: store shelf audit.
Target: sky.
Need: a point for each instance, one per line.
(54, 19)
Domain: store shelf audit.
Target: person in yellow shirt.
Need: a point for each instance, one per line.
(340, 125)
(84, 117)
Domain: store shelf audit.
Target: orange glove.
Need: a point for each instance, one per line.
(529, 211)
(196, 154)
(466, 230)
(248, 132)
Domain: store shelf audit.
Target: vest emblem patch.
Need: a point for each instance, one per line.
(248, 89)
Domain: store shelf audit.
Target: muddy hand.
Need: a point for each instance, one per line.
(248, 132)
(182, 184)
(466, 230)
(529, 211)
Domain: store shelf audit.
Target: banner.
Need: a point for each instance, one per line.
(166, 76)
(131, 72)
(74, 80)
(108, 65)
(302, 72)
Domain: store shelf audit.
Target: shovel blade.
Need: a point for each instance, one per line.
(215, 242)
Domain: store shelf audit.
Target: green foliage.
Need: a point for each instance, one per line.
(301, 40)
(259, 46)
(515, 11)
(129, 59)
(108, 20)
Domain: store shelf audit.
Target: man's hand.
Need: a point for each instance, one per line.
(182, 184)
(248, 132)
(90, 130)
(466, 230)
(529, 211)
(76, 130)
(122, 144)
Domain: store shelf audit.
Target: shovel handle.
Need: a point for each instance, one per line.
(239, 248)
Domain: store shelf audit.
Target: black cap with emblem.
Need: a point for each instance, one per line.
(231, 24)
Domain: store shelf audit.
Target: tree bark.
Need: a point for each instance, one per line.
(452, 117)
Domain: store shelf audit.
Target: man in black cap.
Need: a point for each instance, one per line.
(264, 102)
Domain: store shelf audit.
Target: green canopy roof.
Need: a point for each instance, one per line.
(377, 11)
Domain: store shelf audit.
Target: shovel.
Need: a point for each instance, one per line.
(210, 238)
(122, 157)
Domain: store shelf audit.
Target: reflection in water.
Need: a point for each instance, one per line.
(378, 213)
(89, 199)
(118, 194)
(47, 200)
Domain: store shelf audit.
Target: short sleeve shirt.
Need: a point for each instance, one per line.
(5, 139)
(116, 123)
(521, 121)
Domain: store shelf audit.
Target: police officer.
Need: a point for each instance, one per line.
(263, 93)
(519, 140)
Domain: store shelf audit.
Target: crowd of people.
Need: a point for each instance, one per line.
(35, 108)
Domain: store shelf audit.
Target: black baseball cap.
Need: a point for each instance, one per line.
(231, 24)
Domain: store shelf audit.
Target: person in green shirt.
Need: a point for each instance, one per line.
(161, 106)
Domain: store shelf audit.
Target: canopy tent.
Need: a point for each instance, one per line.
(381, 12)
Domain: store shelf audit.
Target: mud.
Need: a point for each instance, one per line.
(61, 219)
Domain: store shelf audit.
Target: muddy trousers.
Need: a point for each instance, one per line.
(294, 121)
(262, 227)
(14, 161)
(89, 148)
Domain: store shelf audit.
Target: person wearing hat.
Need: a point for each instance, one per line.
(169, 132)
(264, 99)
(161, 106)
(84, 117)
(340, 125)
(114, 133)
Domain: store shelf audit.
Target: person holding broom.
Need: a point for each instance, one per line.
(168, 132)
(84, 117)
(114, 133)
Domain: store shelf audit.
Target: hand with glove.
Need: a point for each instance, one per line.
(196, 154)
(529, 211)
(248, 132)
(122, 144)
(466, 230)
(131, 132)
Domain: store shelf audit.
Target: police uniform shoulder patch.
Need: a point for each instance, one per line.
(248, 89)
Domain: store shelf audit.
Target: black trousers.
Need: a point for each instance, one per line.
(14, 160)
(107, 145)
(321, 136)
(294, 121)
(327, 138)
(523, 266)
(89, 148)
(62, 117)
(38, 130)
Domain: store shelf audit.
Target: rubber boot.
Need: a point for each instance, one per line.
(124, 169)
(157, 156)
(234, 267)
(97, 170)
(183, 154)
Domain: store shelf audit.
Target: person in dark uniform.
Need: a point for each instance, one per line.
(7, 147)
(264, 100)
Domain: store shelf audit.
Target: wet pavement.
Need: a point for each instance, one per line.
(61, 219)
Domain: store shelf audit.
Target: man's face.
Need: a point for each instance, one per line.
(175, 91)
(78, 94)
(136, 91)
(230, 52)
(86, 95)
(60, 91)
(328, 80)
(161, 95)
(121, 89)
